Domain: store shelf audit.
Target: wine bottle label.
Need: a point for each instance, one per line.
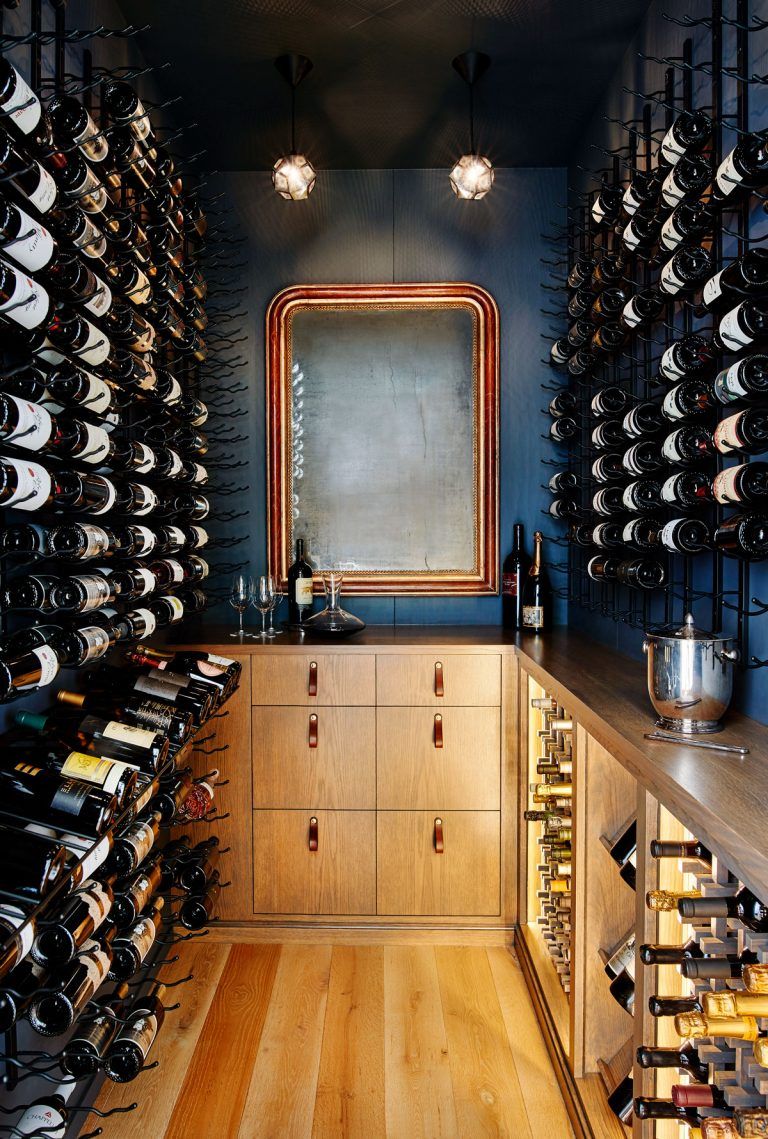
(176, 464)
(140, 803)
(142, 1033)
(140, 839)
(44, 194)
(727, 177)
(96, 540)
(533, 616)
(145, 501)
(127, 733)
(22, 105)
(147, 458)
(726, 436)
(631, 203)
(96, 642)
(303, 591)
(670, 235)
(724, 485)
(41, 1119)
(598, 209)
(34, 426)
(203, 568)
(631, 316)
(176, 570)
(670, 406)
(91, 196)
(628, 496)
(669, 489)
(627, 534)
(96, 444)
(671, 192)
(201, 536)
(731, 333)
(200, 474)
(148, 581)
(510, 584)
(96, 347)
(96, 591)
(109, 501)
(49, 667)
(140, 122)
(671, 148)
(176, 606)
(105, 773)
(99, 965)
(712, 289)
(147, 540)
(24, 934)
(224, 662)
(49, 353)
(205, 508)
(176, 678)
(668, 534)
(28, 304)
(630, 238)
(97, 900)
(70, 798)
(90, 241)
(34, 246)
(669, 280)
(668, 366)
(95, 149)
(556, 353)
(101, 301)
(669, 448)
(95, 857)
(143, 936)
(728, 386)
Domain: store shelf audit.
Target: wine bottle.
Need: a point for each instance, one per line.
(609, 401)
(641, 573)
(602, 568)
(690, 354)
(562, 481)
(130, 949)
(607, 535)
(745, 432)
(197, 910)
(30, 592)
(514, 572)
(47, 1116)
(674, 1006)
(686, 489)
(744, 906)
(644, 419)
(299, 587)
(579, 334)
(642, 533)
(743, 536)
(52, 1013)
(126, 1054)
(113, 739)
(197, 664)
(20, 988)
(580, 535)
(689, 133)
(686, 1059)
(648, 1107)
(582, 362)
(608, 467)
(31, 868)
(94, 1033)
(687, 179)
(642, 494)
(621, 1100)
(693, 1025)
(669, 954)
(622, 989)
(607, 204)
(717, 968)
(111, 776)
(536, 597)
(643, 307)
(136, 892)
(742, 485)
(198, 868)
(608, 305)
(581, 303)
(691, 399)
(72, 125)
(609, 270)
(564, 403)
(744, 168)
(134, 845)
(25, 174)
(157, 715)
(25, 671)
(34, 793)
(581, 271)
(644, 457)
(746, 276)
(608, 500)
(17, 934)
(688, 222)
(685, 535)
(59, 940)
(643, 190)
(126, 108)
(688, 444)
(747, 380)
(686, 269)
(608, 433)
(741, 326)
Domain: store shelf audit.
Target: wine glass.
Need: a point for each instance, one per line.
(276, 600)
(263, 599)
(240, 596)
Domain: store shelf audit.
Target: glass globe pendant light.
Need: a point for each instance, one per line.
(472, 176)
(293, 175)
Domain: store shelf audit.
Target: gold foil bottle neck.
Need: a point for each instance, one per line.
(755, 978)
(719, 1004)
(718, 1129)
(760, 1049)
(691, 1025)
(662, 901)
(751, 1122)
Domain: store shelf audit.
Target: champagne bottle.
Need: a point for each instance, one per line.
(536, 603)
(514, 571)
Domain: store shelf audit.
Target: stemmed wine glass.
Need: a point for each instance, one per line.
(264, 599)
(276, 600)
(240, 596)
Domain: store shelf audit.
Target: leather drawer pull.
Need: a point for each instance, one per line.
(438, 731)
(313, 730)
(439, 688)
(313, 833)
(439, 840)
(312, 690)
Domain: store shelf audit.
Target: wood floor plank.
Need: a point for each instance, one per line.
(544, 1105)
(156, 1090)
(350, 1087)
(419, 1095)
(214, 1092)
(281, 1097)
(486, 1089)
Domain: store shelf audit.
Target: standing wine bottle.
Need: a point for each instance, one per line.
(513, 574)
(536, 603)
(300, 594)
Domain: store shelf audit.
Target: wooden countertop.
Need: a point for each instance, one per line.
(722, 798)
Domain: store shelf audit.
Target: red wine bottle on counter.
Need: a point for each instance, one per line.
(514, 572)
(300, 596)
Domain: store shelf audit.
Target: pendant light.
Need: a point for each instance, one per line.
(293, 175)
(472, 176)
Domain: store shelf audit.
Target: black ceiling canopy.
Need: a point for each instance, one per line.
(382, 92)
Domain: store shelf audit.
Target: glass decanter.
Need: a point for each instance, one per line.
(333, 621)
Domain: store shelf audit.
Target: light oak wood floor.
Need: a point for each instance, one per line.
(313, 1041)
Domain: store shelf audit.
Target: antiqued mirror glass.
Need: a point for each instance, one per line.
(382, 408)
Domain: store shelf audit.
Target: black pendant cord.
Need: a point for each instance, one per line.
(293, 120)
(471, 118)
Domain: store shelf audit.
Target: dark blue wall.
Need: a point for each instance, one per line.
(660, 37)
(406, 225)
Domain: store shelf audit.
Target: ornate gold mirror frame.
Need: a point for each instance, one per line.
(382, 429)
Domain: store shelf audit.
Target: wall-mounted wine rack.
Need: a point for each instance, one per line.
(713, 73)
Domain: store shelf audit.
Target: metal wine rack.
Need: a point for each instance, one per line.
(714, 73)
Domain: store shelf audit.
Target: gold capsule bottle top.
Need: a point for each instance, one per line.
(755, 978)
(760, 1049)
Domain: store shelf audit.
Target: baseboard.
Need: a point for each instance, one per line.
(348, 934)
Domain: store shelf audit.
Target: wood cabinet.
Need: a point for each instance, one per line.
(314, 678)
(438, 679)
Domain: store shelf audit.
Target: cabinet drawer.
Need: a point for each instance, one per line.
(415, 773)
(414, 879)
(314, 757)
(339, 877)
(438, 679)
(314, 678)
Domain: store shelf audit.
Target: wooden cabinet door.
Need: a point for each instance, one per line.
(438, 760)
(320, 758)
(339, 877)
(439, 679)
(414, 879)
(314, 678)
